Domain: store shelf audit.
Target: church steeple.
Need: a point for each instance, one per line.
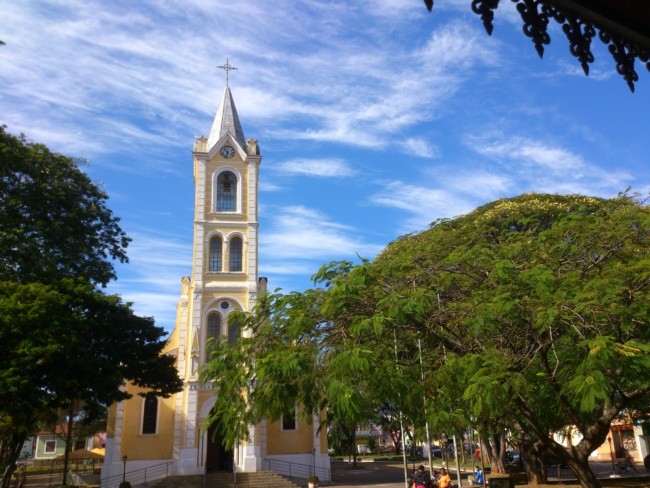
(226, 121)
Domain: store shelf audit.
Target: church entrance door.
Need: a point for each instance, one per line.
(217, 458)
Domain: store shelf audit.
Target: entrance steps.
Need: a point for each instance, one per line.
(261, 479)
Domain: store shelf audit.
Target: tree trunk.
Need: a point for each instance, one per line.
(354, 447)
(13, 453)
(396, 434)
(535, 467)
(495, 448)
(583, 472)
(68, 440)
(536, 457)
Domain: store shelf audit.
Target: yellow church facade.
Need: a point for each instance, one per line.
(147, 432)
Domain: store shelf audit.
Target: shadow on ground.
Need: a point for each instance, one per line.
(344, 474)
(391, 475)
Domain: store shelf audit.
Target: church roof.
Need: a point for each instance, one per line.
(226, 121)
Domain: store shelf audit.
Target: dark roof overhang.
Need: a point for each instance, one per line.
(622, 25)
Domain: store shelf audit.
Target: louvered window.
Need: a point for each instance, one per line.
(235, 254)
(214, 261)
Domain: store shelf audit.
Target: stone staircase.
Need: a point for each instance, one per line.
(262, 479)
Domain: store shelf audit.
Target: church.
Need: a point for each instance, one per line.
(149, 432)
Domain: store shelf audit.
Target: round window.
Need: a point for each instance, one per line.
(225, 305)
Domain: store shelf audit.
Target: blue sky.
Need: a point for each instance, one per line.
(374, 118)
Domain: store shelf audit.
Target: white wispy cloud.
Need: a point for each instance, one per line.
(115, 71)
(530, 152)
(391, 8)
(326, 168)
(420, 147)
(299, 233)
(422, 204)
(480, 184)
(541, 165)
(269, 186)
(377, 98)
(285, 267)
(597, 70)
(151, 279)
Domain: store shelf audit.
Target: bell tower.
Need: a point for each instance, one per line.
(224, 262)
(224, 275)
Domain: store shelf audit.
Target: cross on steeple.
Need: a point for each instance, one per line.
(226, 67)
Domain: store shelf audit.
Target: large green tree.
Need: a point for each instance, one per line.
(64, 344)
(70, 347)
(542, 301)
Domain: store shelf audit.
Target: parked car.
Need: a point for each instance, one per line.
(553, 462)
(512, 457)
(436, 452)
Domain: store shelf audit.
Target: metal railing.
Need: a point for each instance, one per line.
(297, 470)
(138, 476)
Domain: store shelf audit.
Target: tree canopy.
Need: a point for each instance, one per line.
(542, 302)
(54, 221)
(64, 344)
(532, 311)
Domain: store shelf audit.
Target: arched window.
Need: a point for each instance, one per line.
(213, 332)
(233, 330)
(235, 254)
(226, 192)
(214, 262)
(150, 415)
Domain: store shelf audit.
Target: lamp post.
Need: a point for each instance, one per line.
(124, 469)
(611, 453)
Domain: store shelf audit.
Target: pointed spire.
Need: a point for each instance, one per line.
(226, 121)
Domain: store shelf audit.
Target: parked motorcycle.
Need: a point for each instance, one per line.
(625, 467)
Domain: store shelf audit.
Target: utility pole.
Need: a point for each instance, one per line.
(426, 418)
(401, 420)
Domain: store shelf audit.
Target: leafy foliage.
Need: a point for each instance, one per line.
(532, 314)
(544, 299)
(64, 345)
(301, 349)
(54, 221)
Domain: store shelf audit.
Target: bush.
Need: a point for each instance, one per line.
(125, 484)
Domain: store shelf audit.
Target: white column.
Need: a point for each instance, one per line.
(252, 453)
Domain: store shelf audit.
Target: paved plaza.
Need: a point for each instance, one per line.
(391, 475)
